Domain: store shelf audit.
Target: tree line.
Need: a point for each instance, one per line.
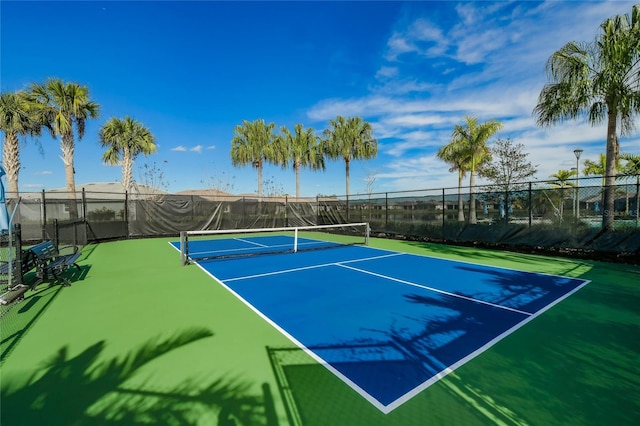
(347, 139)
(63, 108)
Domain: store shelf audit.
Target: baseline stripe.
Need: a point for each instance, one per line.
(471, 299)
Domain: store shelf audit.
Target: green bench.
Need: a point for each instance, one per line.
(49, 264)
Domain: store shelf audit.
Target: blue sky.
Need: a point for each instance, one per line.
(192, 71)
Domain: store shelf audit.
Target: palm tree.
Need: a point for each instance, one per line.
(596, 168)
(632, 165)
(349, 139)
(63, 106)
(562, 178)
(473, 137)
(600, 81)
(453, 154)
(16, 119)
(125, 140)
(302, 148)
(253, 143)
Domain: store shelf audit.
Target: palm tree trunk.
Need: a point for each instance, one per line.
(472, 198)
(347, 167)
(460, 204)
(259, 167)
(12, 163)
(127, 166)
(67, 147)
(608, 213)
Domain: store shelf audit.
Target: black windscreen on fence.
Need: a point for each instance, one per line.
(537, 214)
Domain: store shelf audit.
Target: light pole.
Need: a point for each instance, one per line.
(578, 153)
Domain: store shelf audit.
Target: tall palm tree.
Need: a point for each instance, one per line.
(562, 181)
(473, 137)
(253, 144)
(16, 119)
(349, 139)
(302, 149)
(600, 81)
(454, 154)
(125, 140)
(63, 106)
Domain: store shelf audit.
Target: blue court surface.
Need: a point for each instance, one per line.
(400, 322)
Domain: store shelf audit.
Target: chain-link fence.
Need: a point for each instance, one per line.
(547, 214)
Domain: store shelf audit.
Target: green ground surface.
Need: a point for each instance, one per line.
(138, 339)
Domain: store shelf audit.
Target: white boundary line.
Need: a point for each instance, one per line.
(302, 268)
(477, 264)
(471, 299)
(250, 242)
(406, 397)
(386, 409)
(308, 351)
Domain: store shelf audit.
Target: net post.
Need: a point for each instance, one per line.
(367, 232)
(184, 248)
(295, 240)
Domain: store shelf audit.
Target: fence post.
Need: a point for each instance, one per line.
(386, 210)
(84, 204)
(506, 205)
(55, 232)
(244, 213)
(347, 208)
(444, 212)
(126, 212)
(530, 206)
(18, 247)
(637, 198)
(44, 217)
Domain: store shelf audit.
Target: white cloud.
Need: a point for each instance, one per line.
(198, 148)
(387, 72)
(490, 63)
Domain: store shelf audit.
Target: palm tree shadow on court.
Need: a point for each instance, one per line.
(80, 390)
(19, 317)
(419, 345)
(517, 289)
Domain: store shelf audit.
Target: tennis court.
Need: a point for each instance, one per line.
(139, 339)
(395, 322)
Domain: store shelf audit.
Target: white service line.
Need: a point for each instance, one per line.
(323, 265)
(250, 242)
(364, 271)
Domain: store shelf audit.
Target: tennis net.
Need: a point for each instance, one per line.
(228, 243)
